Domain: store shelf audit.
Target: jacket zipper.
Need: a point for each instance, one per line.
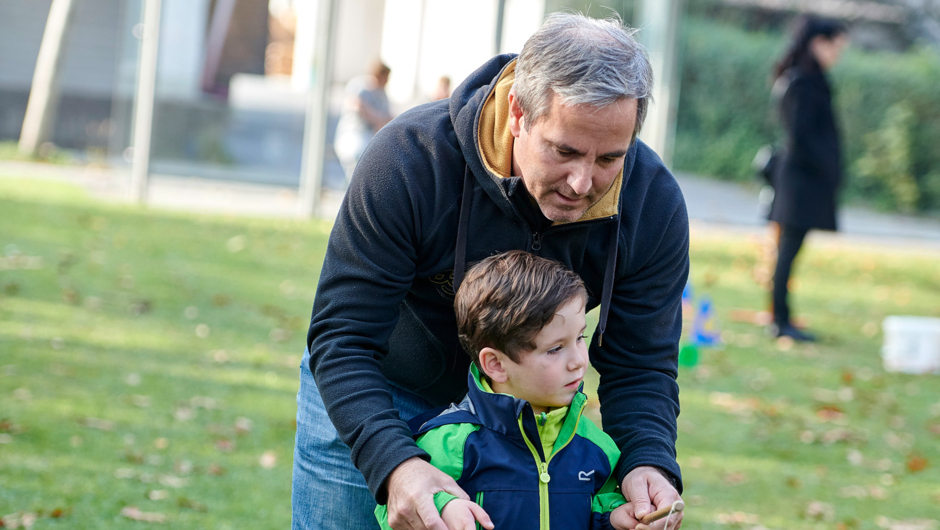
(544, 477)
(536, 241)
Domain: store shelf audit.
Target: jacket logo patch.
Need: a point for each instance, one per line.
(585, 475)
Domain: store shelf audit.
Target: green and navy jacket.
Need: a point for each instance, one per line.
(489, 443)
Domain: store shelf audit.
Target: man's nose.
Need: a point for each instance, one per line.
(580, 179)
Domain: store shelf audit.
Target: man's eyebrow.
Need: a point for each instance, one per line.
(569, 149)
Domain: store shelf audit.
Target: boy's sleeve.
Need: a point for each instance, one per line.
(608, 497)
(445, 444)
(604, 502)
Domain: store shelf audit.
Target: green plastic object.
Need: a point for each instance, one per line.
(688, 355)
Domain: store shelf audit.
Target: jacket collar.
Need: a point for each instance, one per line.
(500, 412)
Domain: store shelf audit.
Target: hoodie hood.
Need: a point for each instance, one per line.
(480, 112)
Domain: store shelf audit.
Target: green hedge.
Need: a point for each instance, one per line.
(888, 106)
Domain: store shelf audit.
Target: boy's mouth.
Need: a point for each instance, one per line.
(574, 384)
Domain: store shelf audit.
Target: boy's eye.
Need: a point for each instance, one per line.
(554, 350)
(581, 337)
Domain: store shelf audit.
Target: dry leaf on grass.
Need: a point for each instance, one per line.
(134, 513)
(18, 520)
(268, 460)
(916, 463)
(736, 518)
(820, 511)
(910, 524)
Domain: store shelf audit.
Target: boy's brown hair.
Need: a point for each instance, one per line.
(506, 299)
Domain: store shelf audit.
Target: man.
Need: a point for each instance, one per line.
(537, 153)
(365, 111)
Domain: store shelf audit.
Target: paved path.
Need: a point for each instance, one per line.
(713, 205)
(732, 206)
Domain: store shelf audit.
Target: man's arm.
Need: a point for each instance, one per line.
(370, 265)
(638, 361)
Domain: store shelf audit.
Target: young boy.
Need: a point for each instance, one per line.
(518, 443)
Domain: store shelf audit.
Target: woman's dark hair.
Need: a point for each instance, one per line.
(805, 29)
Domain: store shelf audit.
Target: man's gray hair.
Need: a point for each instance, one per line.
(586, 61)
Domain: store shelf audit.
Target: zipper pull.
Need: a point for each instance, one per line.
(536, 241)
(543, 472)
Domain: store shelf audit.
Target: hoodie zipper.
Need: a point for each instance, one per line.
(536, 242)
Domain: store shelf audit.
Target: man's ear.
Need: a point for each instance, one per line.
(491, 361)
(515, 114)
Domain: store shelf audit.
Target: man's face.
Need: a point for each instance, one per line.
(569, 158)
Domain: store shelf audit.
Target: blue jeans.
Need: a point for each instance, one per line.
(328, 491)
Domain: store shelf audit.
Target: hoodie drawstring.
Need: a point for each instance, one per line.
(608, 281)
(460, 253)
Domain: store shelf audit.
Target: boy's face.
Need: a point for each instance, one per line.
(549, 376)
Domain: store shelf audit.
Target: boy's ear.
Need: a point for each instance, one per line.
(491, 361)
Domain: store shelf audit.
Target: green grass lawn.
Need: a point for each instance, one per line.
(149, 360)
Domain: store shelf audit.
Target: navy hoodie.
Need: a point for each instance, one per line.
(384, 305)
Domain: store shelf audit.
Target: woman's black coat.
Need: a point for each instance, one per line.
(807, 181)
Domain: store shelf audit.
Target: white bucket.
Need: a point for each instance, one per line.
(911, 345)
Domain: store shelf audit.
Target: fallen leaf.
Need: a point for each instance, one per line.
(736, 518)
(183, 502)
(221, 300)
(268, 460)
(216, 470)
(226, 446)
(172, 481)
(819, 511)
(242, 425)
(124, 473)
(830, 413)
(916, 463)
(134, 513)
(735, 478)
(157, 495)
(910, 524)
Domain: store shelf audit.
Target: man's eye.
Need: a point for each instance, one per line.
(606, 160)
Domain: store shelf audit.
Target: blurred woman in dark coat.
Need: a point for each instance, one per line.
(808, 178)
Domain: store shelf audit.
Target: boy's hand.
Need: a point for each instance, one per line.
(647, 490)
(621, 518)
(459, 514)
(411, 489)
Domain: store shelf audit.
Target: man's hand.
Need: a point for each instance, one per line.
(459, 514)
(411, 488)
(648, 490)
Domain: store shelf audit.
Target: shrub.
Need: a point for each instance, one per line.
(725, 115)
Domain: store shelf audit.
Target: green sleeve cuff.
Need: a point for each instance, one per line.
(441, 499)
(607, 502)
